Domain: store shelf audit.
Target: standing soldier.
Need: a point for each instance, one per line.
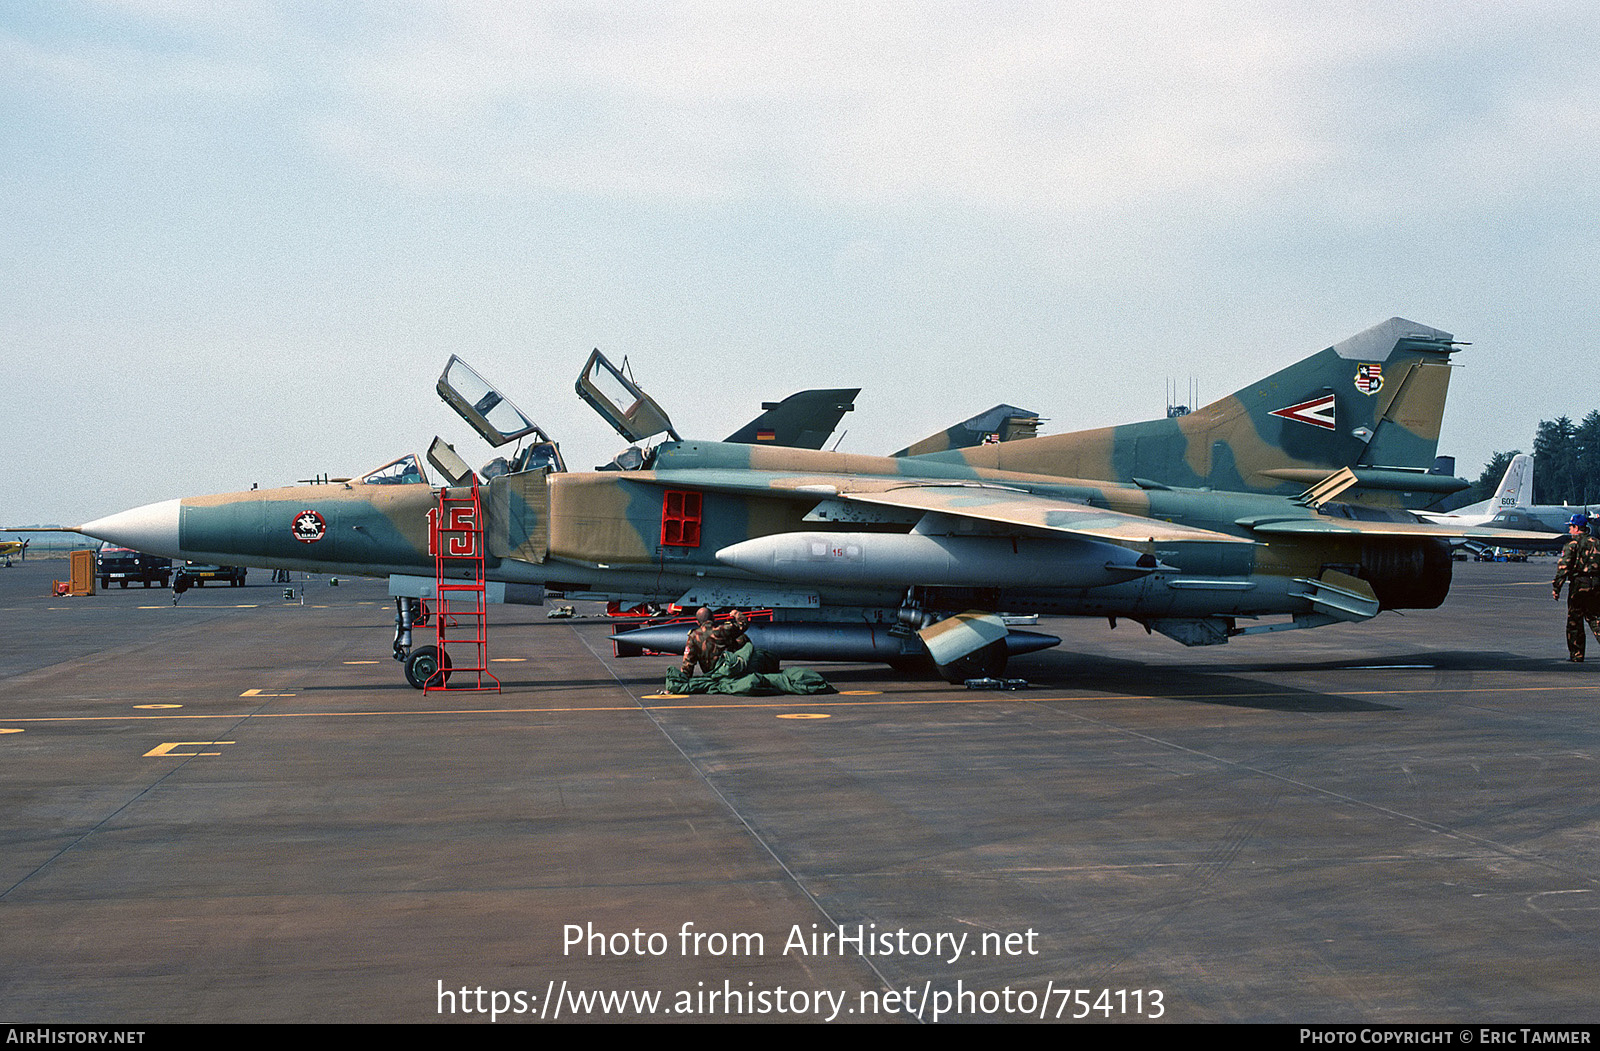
(1579, 568)
(703, 647)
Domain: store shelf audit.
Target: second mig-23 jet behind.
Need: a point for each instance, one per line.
(1373, 403)
(861, 558)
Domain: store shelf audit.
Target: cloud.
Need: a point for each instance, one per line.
(1020, 107)
(1015, 108)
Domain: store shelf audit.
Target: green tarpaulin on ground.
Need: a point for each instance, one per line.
(735, 673)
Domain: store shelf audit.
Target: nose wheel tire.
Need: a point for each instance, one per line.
(425, 663)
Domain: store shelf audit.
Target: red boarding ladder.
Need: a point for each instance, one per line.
(460, 606)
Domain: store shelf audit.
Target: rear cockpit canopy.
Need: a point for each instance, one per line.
(621, 402)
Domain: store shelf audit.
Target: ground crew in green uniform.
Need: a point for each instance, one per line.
(1579, 569)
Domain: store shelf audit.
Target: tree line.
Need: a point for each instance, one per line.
(1566, 465)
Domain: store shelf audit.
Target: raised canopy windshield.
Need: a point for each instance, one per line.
(486, 409)
(407, 470)
(618, 400)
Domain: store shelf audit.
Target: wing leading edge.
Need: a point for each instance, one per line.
(1021, 509)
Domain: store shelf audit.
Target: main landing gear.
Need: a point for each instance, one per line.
(986, 663)
(989, 662)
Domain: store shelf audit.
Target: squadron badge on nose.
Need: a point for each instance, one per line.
(308, 527)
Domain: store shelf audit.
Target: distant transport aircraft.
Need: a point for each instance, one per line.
(1512, 508)
(1515, 490)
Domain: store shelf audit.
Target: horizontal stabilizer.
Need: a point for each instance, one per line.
(1324, 526)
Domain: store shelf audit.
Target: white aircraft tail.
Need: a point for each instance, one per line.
(1516, 488)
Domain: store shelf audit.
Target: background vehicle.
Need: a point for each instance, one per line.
(123, 564)
(195, 574)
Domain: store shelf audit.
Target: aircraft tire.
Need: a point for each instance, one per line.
(988, 662)
(423, 663)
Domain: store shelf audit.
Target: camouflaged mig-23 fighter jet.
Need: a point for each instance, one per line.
(1237, 519)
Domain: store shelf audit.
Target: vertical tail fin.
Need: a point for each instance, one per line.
(800, 421)
(1516, 487)
(1003, 423)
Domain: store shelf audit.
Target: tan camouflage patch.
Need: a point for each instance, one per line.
(589, 520)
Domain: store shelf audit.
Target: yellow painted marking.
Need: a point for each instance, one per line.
(252, 605)
(858, 693)
(952, 698)
(258, 693)
(167, 749)
(10, 730)
(149, 607)
(158, 706)
(506, 660)
(361, 662)
(662, 696)
(806, 715)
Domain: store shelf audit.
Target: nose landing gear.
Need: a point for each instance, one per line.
(424, 662)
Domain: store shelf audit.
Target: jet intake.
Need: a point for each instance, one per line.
(906, 559)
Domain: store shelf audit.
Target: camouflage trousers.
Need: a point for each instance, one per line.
(1581, 606)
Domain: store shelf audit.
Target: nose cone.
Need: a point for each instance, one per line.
(152, 528)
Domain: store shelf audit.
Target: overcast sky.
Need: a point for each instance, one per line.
(242, 236)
